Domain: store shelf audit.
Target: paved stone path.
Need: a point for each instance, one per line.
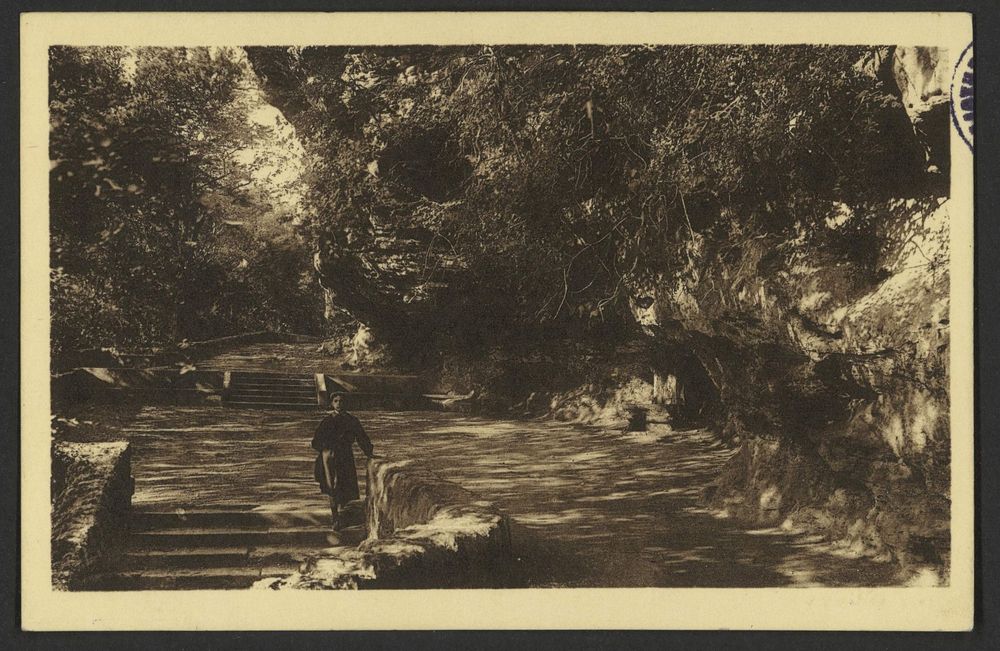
(591, 507)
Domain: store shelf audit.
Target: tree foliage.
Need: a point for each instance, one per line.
(155, 206)
(566, 175)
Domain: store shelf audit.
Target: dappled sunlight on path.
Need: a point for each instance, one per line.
(591, 507)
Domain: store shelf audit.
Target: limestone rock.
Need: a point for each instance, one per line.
(424, 532)
(837, 386)
(92, 495)
(920, 77)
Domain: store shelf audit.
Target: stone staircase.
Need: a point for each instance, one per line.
(229, 547)
(291, 376)
(266, 390)
(258, 389)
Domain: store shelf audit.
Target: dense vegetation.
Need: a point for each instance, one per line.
(163, 225)
(568, 178)
(562, 180)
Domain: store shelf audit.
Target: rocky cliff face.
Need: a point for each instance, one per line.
(389, 279)
(832, 369)
(920, 79)
(832, 377)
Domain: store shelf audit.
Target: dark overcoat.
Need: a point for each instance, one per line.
(338, 433)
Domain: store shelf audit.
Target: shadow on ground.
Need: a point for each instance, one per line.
(590, 507)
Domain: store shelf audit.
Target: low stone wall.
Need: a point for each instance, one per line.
(166, 355)
(424, 532)
(149, 386)
(92, 494)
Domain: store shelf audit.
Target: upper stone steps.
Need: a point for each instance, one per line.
(256, 404)
(308, 401)
(263, 395)
(288, 388)
(275, 381)
(258, 390)
(275, 386)
(279, 391)
(299, 391)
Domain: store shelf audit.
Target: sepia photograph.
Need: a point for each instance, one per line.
(504, 316)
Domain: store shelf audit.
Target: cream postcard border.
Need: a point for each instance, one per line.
(946, 608)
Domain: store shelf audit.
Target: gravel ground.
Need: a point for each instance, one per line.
(591, 507)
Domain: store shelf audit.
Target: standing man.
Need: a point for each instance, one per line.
(334, 468)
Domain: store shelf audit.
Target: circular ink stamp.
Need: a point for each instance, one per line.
(963, 96)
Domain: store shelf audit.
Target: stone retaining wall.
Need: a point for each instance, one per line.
(92, 491)
(148, 386)
(424, 532)
(167, 355)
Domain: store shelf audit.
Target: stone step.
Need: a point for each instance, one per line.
(305, 388)
(243, 396)
(265, 391)
(291, 406)
(277, 386)
(142, 521)
(276, 379)
(218, 557)
(362, 403)
(257, 384)
(346, 537)
(232, 537)
(226, 578)
(272, 377)
(253, 388)
(189, 558)
(270, 372)
(300, 400)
